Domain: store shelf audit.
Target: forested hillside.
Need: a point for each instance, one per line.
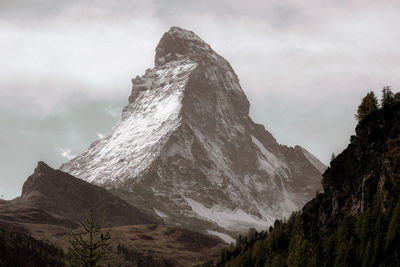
(355, 221)
(19, 249)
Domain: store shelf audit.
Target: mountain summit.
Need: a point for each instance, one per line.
(177, 43)
(187, 150)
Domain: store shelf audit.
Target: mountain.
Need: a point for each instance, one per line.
(187, 150)
(35, 228)
(364, 176)
(53, 197)
(354, 222)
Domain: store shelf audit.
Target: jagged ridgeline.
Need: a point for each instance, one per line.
(187, 151)
(355, 222)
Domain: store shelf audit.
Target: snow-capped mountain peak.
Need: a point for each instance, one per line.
(187, 150)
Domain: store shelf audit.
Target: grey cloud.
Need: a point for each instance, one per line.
(303, 64)
(278, 14)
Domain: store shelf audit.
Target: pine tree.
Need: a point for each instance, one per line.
(88, 247)
(344, 249)
(397, 97)
(387, 97)
(368, 104)
(393, 231)
(252, 235)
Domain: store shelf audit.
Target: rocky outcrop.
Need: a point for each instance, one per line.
(53, 197)
(187, 150)
(364, 175)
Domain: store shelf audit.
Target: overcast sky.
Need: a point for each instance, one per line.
(66, 65)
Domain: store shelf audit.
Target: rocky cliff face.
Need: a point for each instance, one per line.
(364, 175)
(354, 222)
(187, 150)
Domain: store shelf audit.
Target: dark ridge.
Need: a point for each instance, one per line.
(65, 196)
(359, 176)
(354, 222)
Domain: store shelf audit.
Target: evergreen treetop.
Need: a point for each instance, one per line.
(368, 104)
(387, 97)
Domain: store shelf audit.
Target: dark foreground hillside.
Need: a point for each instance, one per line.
(19, 249)
(35, 229)
(355, 222)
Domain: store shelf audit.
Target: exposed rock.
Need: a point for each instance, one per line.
(53, 197)
(354, 222)
(359, 177)
(187, 150)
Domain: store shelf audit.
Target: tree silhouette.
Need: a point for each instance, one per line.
(387, 97)
(88, 245)
(368, 104)
(397, 97)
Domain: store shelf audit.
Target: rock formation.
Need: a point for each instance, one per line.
(53, 197)
(187, 150)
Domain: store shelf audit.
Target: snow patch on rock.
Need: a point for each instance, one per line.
(237, 219)
(160, 213)
(226, 238)
(138, 139)
(270, 162)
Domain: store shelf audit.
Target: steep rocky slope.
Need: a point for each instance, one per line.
(364, 175)
(53, 197)
(354, 222)
(187, 151)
